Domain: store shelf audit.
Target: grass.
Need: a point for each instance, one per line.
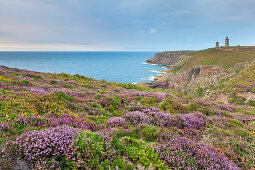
(224, 57)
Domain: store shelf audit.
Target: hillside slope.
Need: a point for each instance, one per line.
(222, 57)
(74, 122)
(207, 73)
(238, 88)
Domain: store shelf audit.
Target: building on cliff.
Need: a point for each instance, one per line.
(217, 44)
(227, 42)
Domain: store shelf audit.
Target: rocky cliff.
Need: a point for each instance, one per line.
(224, 75)
(168, 57)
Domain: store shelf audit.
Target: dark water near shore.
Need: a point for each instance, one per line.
(126, 67)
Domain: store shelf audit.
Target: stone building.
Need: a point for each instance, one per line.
(217, 44)
(227, 42)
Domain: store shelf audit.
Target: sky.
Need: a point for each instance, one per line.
(124, 25)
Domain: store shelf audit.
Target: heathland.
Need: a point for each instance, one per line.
(62, 121)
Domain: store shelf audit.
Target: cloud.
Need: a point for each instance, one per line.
(178, 13)
(53, 47)
(114, 24)
(153, 30)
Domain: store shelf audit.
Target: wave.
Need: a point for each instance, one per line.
(156, 71)
(152, 78)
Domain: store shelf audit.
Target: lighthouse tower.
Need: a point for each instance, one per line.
(227, 42)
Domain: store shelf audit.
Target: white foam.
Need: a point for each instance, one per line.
(155, 71)
(149, 63)
(134, 83)
(151, 78)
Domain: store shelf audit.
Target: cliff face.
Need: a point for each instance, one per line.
(199, 77)
(186, 81)
(213, 83)
(168, 57)
(215, 74)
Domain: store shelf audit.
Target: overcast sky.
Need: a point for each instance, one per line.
(124, 25)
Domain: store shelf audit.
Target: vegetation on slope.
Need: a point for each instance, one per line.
(224, 57)
(240, 86)
(60, 121)
(244, 79)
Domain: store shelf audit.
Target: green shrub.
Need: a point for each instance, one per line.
(199, 92)
(64, 97)
(35, 77)
(173, 105)
(141, 153)
(149, 133)
(251, 103)
(53, 82)
(234, 123)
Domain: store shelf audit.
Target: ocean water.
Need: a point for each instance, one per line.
(125, 67)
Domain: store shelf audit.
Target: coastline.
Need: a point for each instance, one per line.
(167, 59)
(155, 79)
(160, 73)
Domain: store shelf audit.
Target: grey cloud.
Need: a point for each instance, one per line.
(119, 22)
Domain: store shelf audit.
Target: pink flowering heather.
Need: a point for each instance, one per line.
(183, 152)
(4, 126)
(138, 117)
(70, 120)
(158, 117)
(192, 120)
(113, 121)
(43, 144)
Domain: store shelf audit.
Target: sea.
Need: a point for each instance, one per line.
(123, 67)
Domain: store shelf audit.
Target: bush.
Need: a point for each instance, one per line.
(138, 117)
(44, 144)
(183, 152)
(64, 97)
(115, 121)
(199, 92)
(139, 152)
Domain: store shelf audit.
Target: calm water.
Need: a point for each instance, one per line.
(126, 67)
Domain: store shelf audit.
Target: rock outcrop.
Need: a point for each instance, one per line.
(168, 57)
(199, 76)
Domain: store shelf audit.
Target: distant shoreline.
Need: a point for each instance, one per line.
(160, 72)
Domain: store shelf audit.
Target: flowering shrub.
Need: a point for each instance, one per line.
(70, 120)
(138, 117)
(113, 121)
(192, 120)
(182, 152)
(4, 126)
(43, 144)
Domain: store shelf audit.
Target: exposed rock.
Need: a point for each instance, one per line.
(222, 99)
(168, 57)
(202, 76)
(21, 165)
(249, 96)
(158, 84)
